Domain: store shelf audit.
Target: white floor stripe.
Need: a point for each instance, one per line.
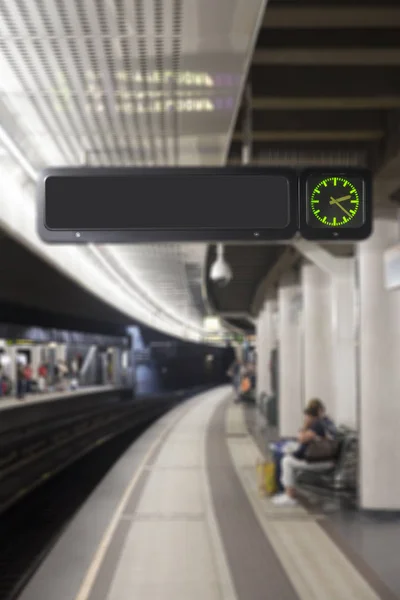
(173, 549)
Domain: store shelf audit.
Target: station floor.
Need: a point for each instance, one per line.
(180, 517)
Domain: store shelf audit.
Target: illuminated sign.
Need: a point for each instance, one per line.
(181, 78)
(19, 342)
(189, 105)
(217, 339)
(212, 324)
(152, 92)
(139, 103)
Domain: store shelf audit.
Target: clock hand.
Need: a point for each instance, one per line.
(333, 201)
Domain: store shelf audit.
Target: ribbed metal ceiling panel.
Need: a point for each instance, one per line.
(128, 82)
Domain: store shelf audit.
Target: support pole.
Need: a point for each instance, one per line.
(317, 255)
(247, 147)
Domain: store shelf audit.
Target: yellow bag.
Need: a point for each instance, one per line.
(266, 478)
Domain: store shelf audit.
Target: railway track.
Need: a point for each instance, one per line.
(29, 529)
(48, 471)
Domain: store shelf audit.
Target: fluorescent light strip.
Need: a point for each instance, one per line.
(21, 213)
(15, 152)
(115, 275)
(145, 292)
(19, 219)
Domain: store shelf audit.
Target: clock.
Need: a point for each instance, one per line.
(335, 205)
(335, 202)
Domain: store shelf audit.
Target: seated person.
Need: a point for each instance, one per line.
(279, 451)
(314, 428)
(329, 425)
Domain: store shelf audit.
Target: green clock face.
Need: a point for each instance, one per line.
(334, 202)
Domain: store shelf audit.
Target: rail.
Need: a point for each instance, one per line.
(30, 455)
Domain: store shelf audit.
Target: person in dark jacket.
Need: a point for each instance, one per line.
(328, 424)
(316, 425)
(235, 373)
(21, 381)
(279, 451)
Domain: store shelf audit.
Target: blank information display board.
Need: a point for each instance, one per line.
(150, 205)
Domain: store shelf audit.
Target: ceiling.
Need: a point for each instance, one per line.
(124, 82)
(324, 88)
(33, 293)
(324, 82)
(249, 264)
(160, 82)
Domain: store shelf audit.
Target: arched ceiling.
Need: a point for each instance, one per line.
(122, 82)
(33, 293)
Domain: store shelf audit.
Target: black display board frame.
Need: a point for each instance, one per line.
(258, 231)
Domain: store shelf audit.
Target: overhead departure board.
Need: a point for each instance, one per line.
(185, 204)
(134, 205)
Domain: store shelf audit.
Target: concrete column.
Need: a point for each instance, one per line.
(266, 341)
(318, 355)
(289, 332)
(262, 375)
(61, 352)
(116, 358)
(11, 369)
(379, 342)
(35, 356)
(344, 343)
(271, 314)
(239, 352)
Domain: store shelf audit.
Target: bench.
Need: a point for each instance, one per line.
(268, 406)
(338, 476)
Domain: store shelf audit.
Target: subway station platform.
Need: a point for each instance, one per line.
(180, 517)
(41, 409)
(8, 402)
